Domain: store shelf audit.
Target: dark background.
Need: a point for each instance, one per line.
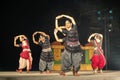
(26, 17)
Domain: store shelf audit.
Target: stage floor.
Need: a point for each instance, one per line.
(83, 75)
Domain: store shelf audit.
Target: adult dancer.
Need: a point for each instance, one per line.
(25, 60)
(46, 59)
(72, 55)
(98, 59)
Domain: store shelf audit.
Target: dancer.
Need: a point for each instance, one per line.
(46, 59)
(98, 59)
(72, 55)
(25, 60)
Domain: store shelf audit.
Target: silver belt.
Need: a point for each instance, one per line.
(46, 50)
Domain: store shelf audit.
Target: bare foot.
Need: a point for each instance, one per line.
(19, 70)
(75, 73)
(100, 71)
(95, 72)
(47, 72)
(62, 73)
(41, 72)
(28, 71)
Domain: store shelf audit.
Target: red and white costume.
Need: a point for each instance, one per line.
(25, 56)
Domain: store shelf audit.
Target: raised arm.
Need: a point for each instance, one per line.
(71, 18)
(44, 34)
(15, 41)
(56, 23)
(101, 36)
(56, 36)
(56, 20)
(101, 39)
(23, 36)
(92, 35)
(33, 38)
(48, 36)
(40, 32)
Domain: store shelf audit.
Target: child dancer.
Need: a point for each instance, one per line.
(46, 59)
(98, 59)
(25, 55)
